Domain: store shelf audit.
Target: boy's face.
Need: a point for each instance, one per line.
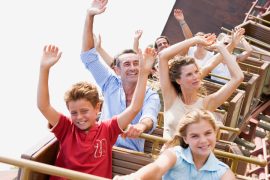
(83, 114)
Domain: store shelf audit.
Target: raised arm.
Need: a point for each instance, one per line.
(167, 89)
(248, 50)
(136, 42)
(146, 63)
(213, 101)
(50, 56)
(237, 34)
(102, 52)
(97, 7)
(179, 16)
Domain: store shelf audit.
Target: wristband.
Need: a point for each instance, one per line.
(182, 23)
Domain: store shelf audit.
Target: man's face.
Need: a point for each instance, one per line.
(128, 68)
(162, 44)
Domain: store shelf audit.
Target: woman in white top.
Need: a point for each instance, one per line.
(181, 82)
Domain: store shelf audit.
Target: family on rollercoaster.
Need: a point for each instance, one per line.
(130, 105)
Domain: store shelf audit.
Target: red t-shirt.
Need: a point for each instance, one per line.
(90, 152)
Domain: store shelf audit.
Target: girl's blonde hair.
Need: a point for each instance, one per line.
(190, 118)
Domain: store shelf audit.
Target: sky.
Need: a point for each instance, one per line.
(26, 26)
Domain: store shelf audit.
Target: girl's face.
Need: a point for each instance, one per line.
(83, 114)
(201, 138)
(190, 77)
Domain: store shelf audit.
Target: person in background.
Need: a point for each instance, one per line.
(198, 52)
(222, 69)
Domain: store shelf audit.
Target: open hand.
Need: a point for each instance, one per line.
(147, 59)
(178, 14)
(237, 35)
(206, 39)
(50, 56)
(97, 7)
(138, 34)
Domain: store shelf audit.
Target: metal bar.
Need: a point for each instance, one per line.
(235, 130)
(25, 173)
(216, 151)
(260, 19)
(253, 51)
(49, 169)
(234, 166)
(240, 158)
(250, 39)
(222, 77)
(249, 65)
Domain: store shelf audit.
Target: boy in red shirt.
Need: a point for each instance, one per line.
(86, 145)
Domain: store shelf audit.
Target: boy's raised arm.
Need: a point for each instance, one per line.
(50, 56)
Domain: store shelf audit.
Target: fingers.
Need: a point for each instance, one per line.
(210, 38)
(132, 132)
(50, 49)
(178, 12)
(139, 32)
(150, 51)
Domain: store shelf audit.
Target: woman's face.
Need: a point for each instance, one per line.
(201, 138)
(190, 77)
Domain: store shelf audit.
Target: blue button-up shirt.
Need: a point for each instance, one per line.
(185, 168)
(115, 99)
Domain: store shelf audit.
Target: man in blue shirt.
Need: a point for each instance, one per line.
(118, 89)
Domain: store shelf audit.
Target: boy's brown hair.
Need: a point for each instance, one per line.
(82, 90)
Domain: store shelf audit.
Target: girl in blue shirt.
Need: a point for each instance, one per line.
(189, 155)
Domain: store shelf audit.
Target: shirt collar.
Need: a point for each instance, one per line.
(210, 165)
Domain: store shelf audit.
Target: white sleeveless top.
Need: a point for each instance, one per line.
(201, 62)
(173, 115)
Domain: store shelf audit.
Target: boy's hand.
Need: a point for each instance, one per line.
(147, 59)
(50, 56)
(97, 7)
(133, 131)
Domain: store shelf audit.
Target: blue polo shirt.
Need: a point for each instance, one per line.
(115, 99)
(185, 168)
